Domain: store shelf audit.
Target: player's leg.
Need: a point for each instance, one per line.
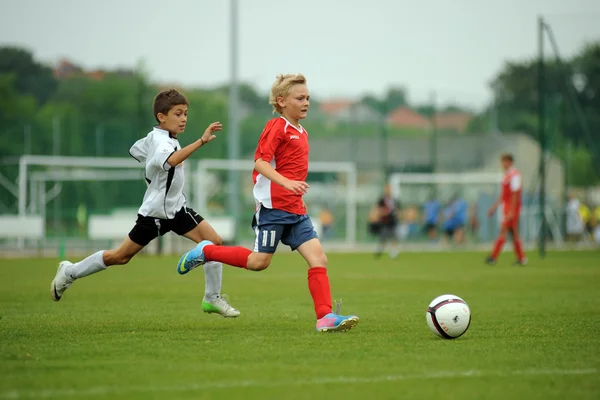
(498, 245)
(517, 243)
(191, 225)
(395, 241)
(213, 270)
(68, 272)
(268, 236)
(302, 237)
(384, 236)
(431, 232)
(459, 235)
(144, 231)
(449, 234)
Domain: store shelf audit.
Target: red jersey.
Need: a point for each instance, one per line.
(511, 183)
(285, 147)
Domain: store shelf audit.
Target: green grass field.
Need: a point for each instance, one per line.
(137, 332)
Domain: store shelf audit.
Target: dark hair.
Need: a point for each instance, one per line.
(164, 101)
(507, 157)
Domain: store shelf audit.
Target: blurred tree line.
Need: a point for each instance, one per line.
(515, 108)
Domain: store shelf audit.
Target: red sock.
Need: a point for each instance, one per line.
(318, 284)
(498, 247)
(236, 256)
(519, 250)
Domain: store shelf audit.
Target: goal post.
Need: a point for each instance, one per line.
(337, 189)
(25, 162)
(398, 179)
(120, 183)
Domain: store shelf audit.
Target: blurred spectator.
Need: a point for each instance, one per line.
(596, 222)
(586, 218)
(409, 226)
(474, 220)
(461, 210)
(326, 218)
(374, 221)
(574, 223)
(389, 210)
(431, 211)
(448, 222)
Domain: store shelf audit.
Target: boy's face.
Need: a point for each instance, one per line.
(295, 105)
(175, 119)
(506, 164)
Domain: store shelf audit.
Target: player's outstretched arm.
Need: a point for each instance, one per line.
(266, 170)
(177, 157)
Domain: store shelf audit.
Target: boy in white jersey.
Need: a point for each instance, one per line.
(164, 206)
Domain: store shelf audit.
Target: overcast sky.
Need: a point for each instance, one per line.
(345, 47)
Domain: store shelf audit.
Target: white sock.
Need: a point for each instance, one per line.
(213, 272)
(88, 266)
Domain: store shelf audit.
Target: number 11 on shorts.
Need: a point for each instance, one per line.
(268, 236)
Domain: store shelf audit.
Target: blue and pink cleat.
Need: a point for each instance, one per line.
(333, 322)
(192, 258)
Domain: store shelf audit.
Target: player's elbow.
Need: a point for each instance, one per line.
(170, 163)
(259, 164)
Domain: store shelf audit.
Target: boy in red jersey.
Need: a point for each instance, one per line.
(511, 200)
(280, 171)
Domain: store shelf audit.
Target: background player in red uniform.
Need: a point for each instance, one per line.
(510, 198)
(280, 171)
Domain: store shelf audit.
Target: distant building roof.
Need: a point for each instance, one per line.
(458, 121)
(404, 117)
(66, 69)
(333, 107)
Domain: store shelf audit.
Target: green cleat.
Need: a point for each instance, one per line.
(219, 306)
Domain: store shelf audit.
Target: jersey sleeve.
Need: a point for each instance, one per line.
(268, 142)
(515, 183)
(161, 155)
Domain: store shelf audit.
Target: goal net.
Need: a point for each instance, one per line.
(331, 199)
(478, 190)
(59, 201)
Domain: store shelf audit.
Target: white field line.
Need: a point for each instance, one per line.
(110, 390)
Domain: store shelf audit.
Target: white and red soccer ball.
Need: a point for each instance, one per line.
(448, 316)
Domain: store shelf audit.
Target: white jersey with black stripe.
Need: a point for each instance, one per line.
(164, 194)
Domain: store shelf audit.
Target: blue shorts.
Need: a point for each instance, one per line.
(272, 226)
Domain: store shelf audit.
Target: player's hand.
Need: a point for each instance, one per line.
(491, 211)
(298, 187)
(209, 132)
(508, 217)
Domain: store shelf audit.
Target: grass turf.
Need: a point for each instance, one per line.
(137, 332)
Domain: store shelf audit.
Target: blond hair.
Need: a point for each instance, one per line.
(282, 87)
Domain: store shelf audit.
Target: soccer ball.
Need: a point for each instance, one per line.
(448, 316)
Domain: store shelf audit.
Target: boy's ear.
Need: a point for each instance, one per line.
(161, 117)
(281, 101)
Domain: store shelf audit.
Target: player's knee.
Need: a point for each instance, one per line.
(217, 240)
(318, 261)
(258, 262)
(262, 264)
(118, 258)
(322, 260)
